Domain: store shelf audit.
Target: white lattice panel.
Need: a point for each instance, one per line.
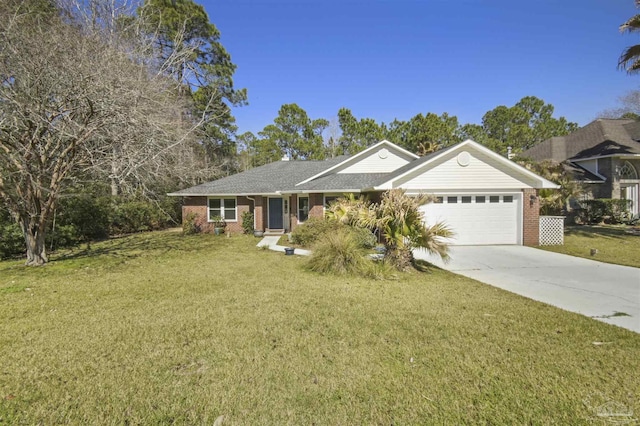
(551, 230)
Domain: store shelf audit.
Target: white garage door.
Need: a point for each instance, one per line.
(478, 219)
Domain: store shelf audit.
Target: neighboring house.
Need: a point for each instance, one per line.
(484, 197)
(604, 155)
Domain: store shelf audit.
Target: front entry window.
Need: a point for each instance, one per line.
(330, 199)
(303, 209)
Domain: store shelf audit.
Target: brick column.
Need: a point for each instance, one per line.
(530, 217)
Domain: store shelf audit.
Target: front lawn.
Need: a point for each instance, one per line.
(162, 328)
(614, 244)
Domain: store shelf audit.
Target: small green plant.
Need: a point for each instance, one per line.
(219, 222)
(247, 222)
(190, 225)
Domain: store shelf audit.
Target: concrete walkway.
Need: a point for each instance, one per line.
(595, 289)
(271, 242)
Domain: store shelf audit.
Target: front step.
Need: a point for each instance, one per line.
(273, 232)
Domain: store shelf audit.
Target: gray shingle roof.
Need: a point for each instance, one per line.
(580, 174)
(602, 137)
(267, 179)
(344, 182)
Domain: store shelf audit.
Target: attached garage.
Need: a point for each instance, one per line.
(483, 197)
(477, 219)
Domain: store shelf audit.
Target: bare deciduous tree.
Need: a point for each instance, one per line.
(72, 102)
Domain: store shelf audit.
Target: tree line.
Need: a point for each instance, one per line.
(294, 134)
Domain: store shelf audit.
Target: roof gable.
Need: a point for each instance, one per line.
(383, 157)
(464, 166)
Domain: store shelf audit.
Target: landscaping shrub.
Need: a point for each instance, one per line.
(605, 210)
(80, 218)
(314, 228)
(364, 237)
(62, 236)
(190, 225)
(338, 252)
(247, 222)
(136, 216)
(307, 234)
(341, 252)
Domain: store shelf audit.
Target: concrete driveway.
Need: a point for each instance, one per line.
(597, 290)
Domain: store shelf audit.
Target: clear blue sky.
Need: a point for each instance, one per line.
(395, 59)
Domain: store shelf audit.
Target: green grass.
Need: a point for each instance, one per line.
(613, 243)
(162, 328)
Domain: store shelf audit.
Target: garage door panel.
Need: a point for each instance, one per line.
(478, 223)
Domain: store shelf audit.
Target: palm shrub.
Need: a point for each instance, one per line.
(399, 220)
(349, 210)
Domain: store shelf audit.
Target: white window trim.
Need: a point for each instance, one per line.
(632, 169)
(300, 222)
(222, 208)
(329, 195)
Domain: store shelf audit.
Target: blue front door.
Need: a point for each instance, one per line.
(275, 213)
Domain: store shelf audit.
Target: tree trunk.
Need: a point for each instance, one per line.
(114, 171)
(401, 258)
(34, 239)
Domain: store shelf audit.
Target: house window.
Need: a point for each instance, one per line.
(329, 200)
(480, 199)
(627, 171)
(507, 199)
(223, 207)
(466, 200)
(494, 199)
(438, 200)
(452, 200)
(303, 209)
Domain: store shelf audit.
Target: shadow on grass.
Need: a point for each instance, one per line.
(137, 245)
(424, 266)
(596, 231)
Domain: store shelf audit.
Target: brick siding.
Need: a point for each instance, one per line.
(316, 205)
(530, 217)
(198, 206)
